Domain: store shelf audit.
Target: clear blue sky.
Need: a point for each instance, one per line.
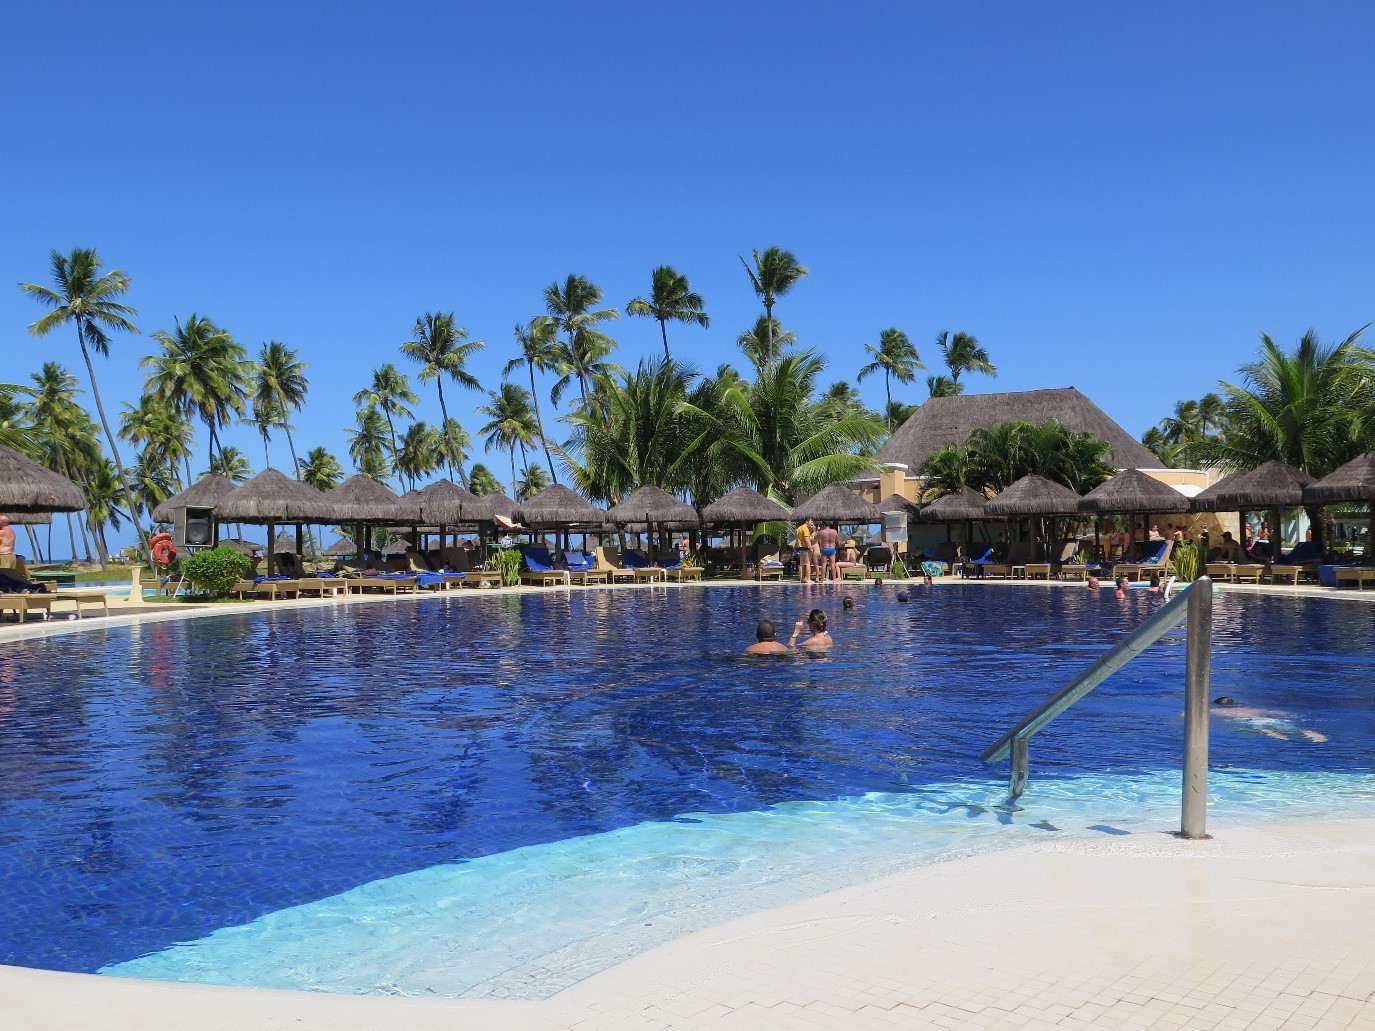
(1115, 197)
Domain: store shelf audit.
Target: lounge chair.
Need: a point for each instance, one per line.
(1305, 556)
(22, 604)
(80, 598)
(1158, 562)
(987, 566)
(583, 568)
(289, 564)
(539, 569)
(460, 562)
(383, 583)
(644, 570)
(322, 585)
(767, 564)
(1358, 575)
(675, 569)
(273, 588)
(609, 562)
(1220, 570)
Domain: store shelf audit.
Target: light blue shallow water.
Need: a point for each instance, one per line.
(498, 796)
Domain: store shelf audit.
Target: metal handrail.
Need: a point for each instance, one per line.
(1194, 603)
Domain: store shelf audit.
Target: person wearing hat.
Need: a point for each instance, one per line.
(849, 551)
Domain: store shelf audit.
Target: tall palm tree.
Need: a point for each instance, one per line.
(511, 424)
(670, 297)
(963, 353)
(483, 482)
(763, 340)
(321, 470)
(539, 349)
(442, 348)
(573, 306)
(203, 371)
(390, 392)
(775, 272)
(943, 386)
(279, 388)
(15, 428)
(87, 299)
(896, 357)
(64, 438)
(532, 481)
(367, 444)
(231, 463)
(423, 451)
(164, 434)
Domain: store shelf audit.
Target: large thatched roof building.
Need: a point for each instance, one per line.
(949, 420)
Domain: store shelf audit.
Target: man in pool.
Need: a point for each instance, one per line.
(1270, 722)
(819, 640)
(765, 643)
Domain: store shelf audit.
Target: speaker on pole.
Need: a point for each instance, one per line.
(194, 528)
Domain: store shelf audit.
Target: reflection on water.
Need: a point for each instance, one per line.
(160, 782)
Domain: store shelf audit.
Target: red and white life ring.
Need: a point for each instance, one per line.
(164, 551)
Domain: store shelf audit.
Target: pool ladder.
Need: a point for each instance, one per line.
(1194, 603)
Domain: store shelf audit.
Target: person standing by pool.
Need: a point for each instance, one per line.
(6, 543)
(828, 539)
(803, 544)
(816, 624)
(765, 640)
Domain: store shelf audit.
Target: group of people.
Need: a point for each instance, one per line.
(818, 637)
(819, 552)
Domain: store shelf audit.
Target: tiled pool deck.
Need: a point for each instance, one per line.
(1264, 927)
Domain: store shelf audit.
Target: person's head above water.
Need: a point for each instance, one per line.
(848, 603)
(816, 619)
(903, 596)
(1225, 700)
(764, 631)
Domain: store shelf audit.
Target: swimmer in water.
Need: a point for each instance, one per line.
(1270, 722)
(819, 640)
(765, 642)
(1093, 583)
(847, 603)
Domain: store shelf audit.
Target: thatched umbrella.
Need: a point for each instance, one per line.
(965, 505)
(653, 507)
(558, 507)
(496, 504)
(1132, 493)
(1034, 495)
(26, 486)
(204, 493)
(1269, 487)
(445, 503)
(243, 547)
(1354, 481)
(362, 501)
(341, 548)
(284, 544)
(272, 498)
(838, 504)
(741, 507)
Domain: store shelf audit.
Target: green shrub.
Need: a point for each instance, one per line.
(899, 569)
(216, 570)
(1185, 562)
(507, 562)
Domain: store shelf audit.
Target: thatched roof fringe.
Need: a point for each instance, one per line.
(1034, 495)
(204, 493)
(1133, 491)
(26, 486)
(838, 504)
(273, 497)
(744, 505)
(1354, 481)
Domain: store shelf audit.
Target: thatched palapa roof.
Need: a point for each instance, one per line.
(1354, 481)
(654, 505)
(956, 507)
(204, 493)
(897, 503)
(361, 499)
(342, 548)
(559, 506)
(445, 503)
(948, 420)
(1133, 491)
(498, 503)
(744, 505)
(272, 497)
(26, 486)
(1272, 485)
(1035, 496)
(838, 504)
(240, 545)
(285, 544)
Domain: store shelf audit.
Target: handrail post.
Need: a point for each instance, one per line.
(1197, 688)
(1017, 773)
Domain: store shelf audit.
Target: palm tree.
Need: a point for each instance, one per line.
(943, 386)
(390, 392)
(153, 482)
(86, 298)
(367, 444)
(573, 307)
(483, 482)
(896, 358)
(775, 272)
(231, 463)
(64, 438)
(1302, 407)
(15, 429)
(422, 452)
(532, 481)
(670, 298)
(538, 350)
(321, 470)
(201, 370)
(279, 388)
(103, 489)
(442, 348)
(162, 432)
(511, 424)
(963, 353)
(765, 338)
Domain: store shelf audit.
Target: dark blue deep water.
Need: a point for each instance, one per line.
(160, 782)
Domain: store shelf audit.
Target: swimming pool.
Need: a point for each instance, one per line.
(499, 795)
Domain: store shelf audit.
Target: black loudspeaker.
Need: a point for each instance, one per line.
(195, 528)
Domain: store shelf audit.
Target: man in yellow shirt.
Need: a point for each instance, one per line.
(806, 541)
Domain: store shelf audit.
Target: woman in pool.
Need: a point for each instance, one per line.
(816, 624)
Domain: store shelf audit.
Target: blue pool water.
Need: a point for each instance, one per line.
(499, 795)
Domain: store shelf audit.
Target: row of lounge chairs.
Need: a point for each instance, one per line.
(608, 564)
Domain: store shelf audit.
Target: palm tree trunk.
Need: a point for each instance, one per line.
(454, 460)
(110, 439)
(888, 387)
(102, 547)
(394, 451)
(663, 328)
(33, 543)
(267, 458)
(514, 494)
(539, 420)
(187, 460)
(768, 326)
(71, 534)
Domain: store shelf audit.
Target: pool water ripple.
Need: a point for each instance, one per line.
(497, 795)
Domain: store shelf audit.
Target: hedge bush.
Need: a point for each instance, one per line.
(216, 570)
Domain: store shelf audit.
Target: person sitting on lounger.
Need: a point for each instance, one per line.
(12, 583)
(765, 642)
(1229, 550)
(815, 622)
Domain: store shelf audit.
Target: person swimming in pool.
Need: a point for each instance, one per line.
(819, 640)
(1270, 722)
(766, 642)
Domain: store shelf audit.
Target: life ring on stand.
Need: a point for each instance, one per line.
(164, 551)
